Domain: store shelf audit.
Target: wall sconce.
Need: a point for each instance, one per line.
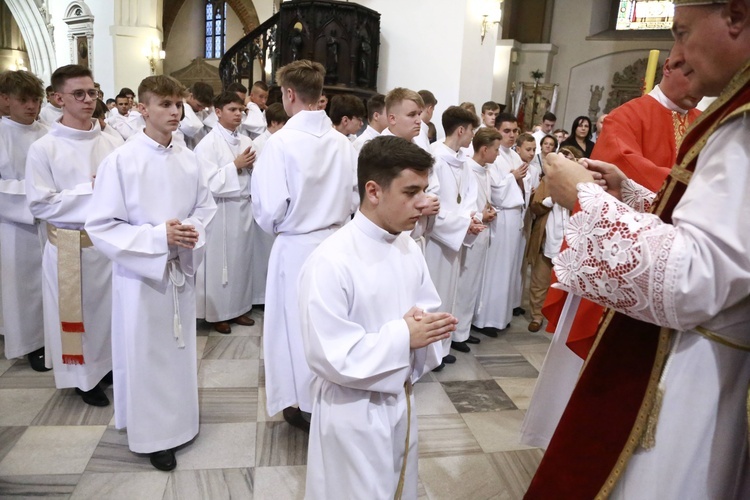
(486, 21)
(154, 53)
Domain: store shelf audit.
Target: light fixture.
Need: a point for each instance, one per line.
(18, 66)
(153, 53)
(488, 19)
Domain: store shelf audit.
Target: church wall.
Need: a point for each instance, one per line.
(581, 63)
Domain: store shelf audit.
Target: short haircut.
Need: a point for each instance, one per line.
(22, 84)
(469, 105)
(260, 85)
(505, 117)
(577, 122)
(49, 89)
(65, 73)
(456, 116)
(121, 96)
(485, 136)
(560, 131)
(127, 92)
(375, 104)
(275, 113)
(304, 77)
(490, 106)
(100, 109)
(227, 97)
(160, 85)
(428, 98)
(237, 87)
(202, 92)
(576, 152)
(525, 137)
(345, 105)
(110, 100)
(549, 117)
(400, 94)
(383, 158)
(549, 136)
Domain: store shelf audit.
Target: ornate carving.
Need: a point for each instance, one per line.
(628, 84)
(199, 71)
(596, 96)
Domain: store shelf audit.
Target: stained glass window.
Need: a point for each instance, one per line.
(216, 16)
(645, 15)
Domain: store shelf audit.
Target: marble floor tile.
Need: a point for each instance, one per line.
(232, 348)
(49, 487)
(200, 346)
(20, 406)
(508, 365)
(113, 455)
(466, 367)
(492, 347)
(525, 338)
(496, 431)
(431, 399)
(443, 435)
(210, 484)
(534, 354)
(240, 331)
(280, 483)
(65, 407)
(5, 364)
(121, 486)
(228, 404)
(203, 329)
(477, 395)
(278, 444)
(9, 436)
(261, 371)
(52, 450)
(228, 373)
(262, 414)
(460, 477)
(21, 376)
(219, 446)
(515, 469)
(519, 390)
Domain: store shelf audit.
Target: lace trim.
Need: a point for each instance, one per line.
(620, 258)
(636, 196)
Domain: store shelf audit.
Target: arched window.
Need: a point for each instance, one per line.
(216, 23)
(644, 15)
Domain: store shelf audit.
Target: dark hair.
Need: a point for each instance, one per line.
(275, 113)
(428, 98)
(549, 117)
(100, 109)
(505, 117)
(383, 158)
(490, 106)
(549, 136)
(485, 136)
(578, 121)
(203, 93)
(260, 85)
(127, 92)
(121, 96)
(111, 100)
(65, 73)
(375, 104)
(237, 87)
(49, 89)
(456, 116)
(227, 97)
(346, 105)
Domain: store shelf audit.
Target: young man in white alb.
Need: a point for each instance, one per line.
(254, 123)
(126, 121)
(377, 121)
(51, 111)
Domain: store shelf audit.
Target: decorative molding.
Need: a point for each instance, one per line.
(80, 23)
(199, 71)
(628, 84)
(34, 22)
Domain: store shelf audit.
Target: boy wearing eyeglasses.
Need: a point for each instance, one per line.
(76, 277)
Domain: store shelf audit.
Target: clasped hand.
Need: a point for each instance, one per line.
(426, 328)
(564, 175)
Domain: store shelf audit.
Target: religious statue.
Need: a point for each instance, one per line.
(332, 58)
(596, 96)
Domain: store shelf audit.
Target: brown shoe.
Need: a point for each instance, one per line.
(294, 417)
(534, 326)
(244, 320)
(222, 327)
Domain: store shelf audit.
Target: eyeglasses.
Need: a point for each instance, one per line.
(80, 94)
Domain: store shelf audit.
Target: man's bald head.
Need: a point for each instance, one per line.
(675, 85)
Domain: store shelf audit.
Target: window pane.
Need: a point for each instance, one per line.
(209, 11)
(218, 28)
(209, 28)
(209, 47)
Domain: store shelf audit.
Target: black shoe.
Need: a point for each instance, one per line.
(519, 311)
(293, 417)
(449, 359)
(36, 360)
(472, 340)
(107, 380)
(460, 346)
(164, 460)
(439, 368)
(488, 331)
(94, 397)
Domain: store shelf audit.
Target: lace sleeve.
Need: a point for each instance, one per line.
(636, 196)
(620, 258)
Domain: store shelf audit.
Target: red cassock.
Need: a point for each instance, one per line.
(640, 137)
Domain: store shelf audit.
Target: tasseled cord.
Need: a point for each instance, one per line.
(648, 439)
(225, 269)
(177, 278)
